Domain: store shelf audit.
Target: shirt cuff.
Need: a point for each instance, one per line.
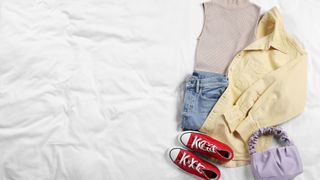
(233, 117)
(247, 128)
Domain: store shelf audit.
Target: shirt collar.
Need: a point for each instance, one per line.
(270, 32)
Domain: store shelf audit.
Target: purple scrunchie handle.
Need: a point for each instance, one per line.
(276, 131)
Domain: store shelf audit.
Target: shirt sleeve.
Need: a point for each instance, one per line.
(270, 101)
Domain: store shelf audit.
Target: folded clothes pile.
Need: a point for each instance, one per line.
(249, 74)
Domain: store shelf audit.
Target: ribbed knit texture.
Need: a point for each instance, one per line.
(229, 26)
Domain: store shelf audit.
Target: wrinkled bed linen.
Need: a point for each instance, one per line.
(91, 89)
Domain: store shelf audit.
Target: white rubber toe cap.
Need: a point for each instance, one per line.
(173, 153)
(184, 138)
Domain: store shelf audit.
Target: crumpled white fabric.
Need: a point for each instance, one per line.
(91, 89)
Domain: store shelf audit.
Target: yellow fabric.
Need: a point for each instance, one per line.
(267, 86)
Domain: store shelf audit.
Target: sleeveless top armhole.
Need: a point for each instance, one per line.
(206, 6)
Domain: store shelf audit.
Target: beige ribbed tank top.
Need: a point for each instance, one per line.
(229, 26)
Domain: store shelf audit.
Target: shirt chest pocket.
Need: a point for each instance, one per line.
(253, 69)
(266, 62)
(258, 66)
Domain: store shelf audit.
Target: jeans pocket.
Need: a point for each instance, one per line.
(212, 93)
(208, 98)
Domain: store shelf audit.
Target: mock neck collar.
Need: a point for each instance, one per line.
(232, 4)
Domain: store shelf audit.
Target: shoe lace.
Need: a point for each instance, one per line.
(194, 164)
(203, 145)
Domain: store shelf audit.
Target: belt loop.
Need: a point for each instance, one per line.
(186, 81)
(197, 86)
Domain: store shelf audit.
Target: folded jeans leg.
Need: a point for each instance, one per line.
(201, 94)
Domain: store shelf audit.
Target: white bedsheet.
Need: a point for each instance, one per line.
(91, 89)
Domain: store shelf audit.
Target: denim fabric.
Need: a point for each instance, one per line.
(202, 91)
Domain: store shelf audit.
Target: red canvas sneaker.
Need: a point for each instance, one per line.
(205, 145)
(192, 164)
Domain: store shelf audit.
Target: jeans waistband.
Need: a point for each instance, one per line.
(206, 79)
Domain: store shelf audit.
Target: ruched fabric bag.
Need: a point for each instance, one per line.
(281, 163)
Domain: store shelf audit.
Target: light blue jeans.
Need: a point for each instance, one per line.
(202, 91)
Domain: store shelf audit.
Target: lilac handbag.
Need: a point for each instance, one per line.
(281, 163)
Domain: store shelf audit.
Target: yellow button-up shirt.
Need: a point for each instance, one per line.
(267, 86)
